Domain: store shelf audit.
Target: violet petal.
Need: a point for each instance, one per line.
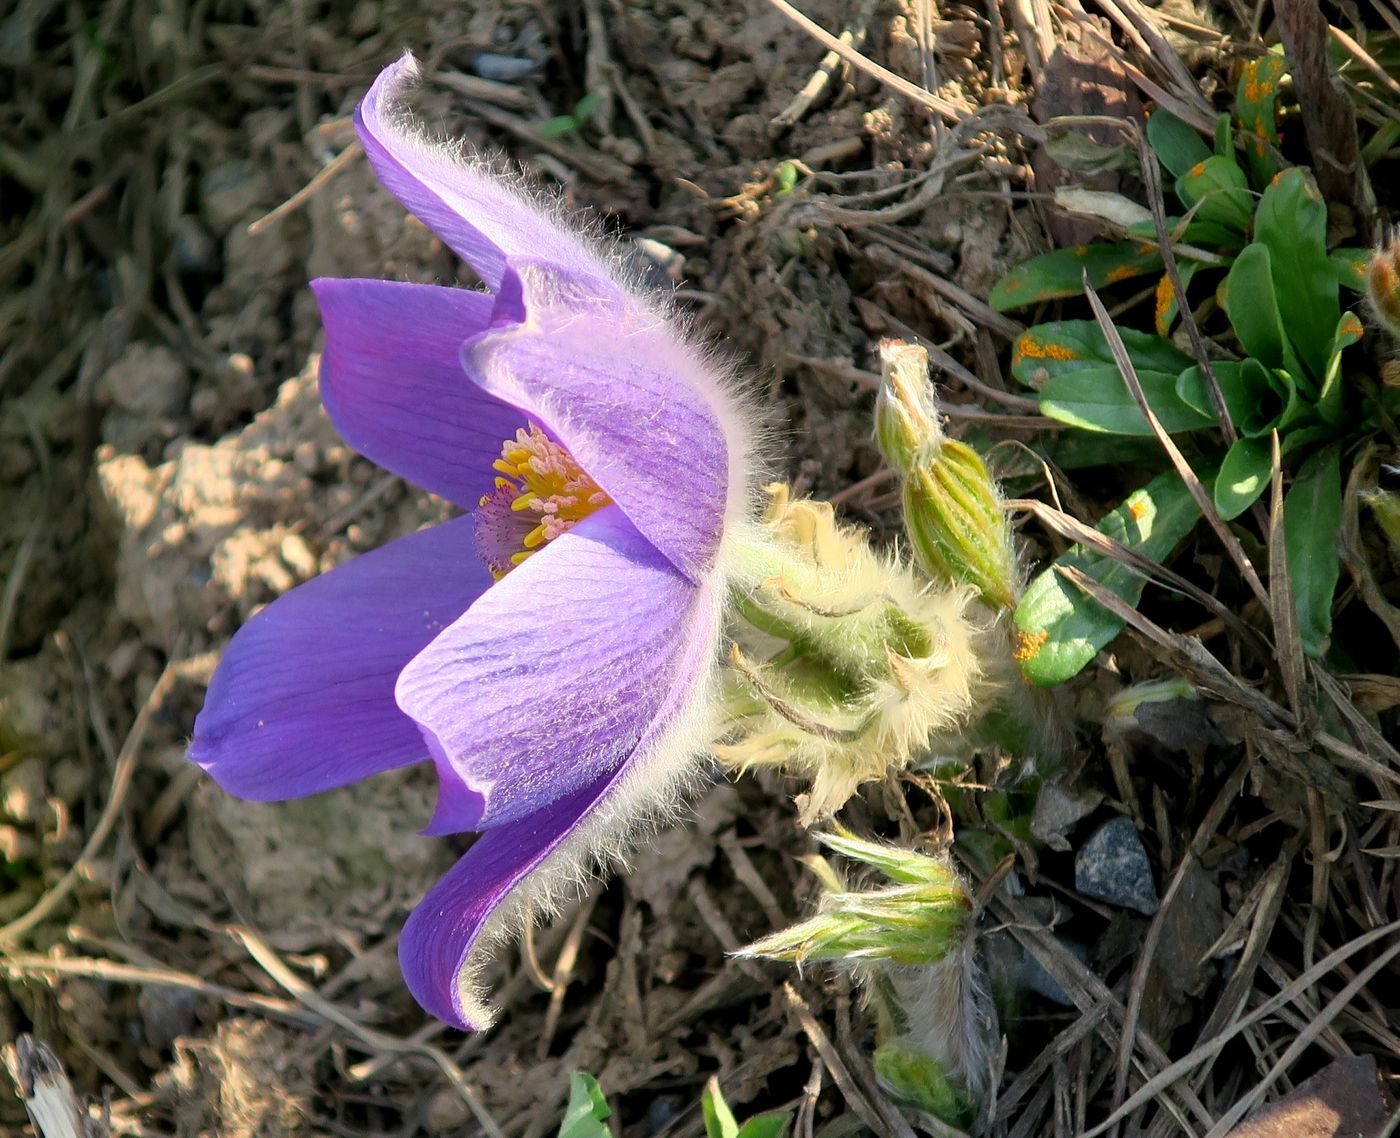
(441, 933)
(392, 383)
(645, 415)
(550, 680)
(303, 699)
(477, 215)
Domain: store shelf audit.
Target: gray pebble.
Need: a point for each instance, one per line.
(1112, 866)
(503, 68)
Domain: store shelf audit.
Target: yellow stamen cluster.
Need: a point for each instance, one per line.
(540, 493)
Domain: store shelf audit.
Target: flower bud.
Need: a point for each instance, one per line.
(912, 945)
(844, 662)
(953, 512)
(918, 920)
(1383, 285)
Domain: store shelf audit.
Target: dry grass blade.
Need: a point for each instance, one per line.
(1152, 180)
(1188, 656)
(1351, 550)
(329, 1012)
(125, 768)
(1137, 986)
(1206, 1051)
(1072, 528)
(1285, 613)
(1305, 1039)
(321, 178)
(109, 971)
(1088, 992)
(1183, 468)
(840, 1073)
(949, 110)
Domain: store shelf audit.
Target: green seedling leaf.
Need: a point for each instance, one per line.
(1061, 273)
(1048, 350)
(771, 1125)
(1177, 146)
(588, 1112)
(1292, 223)
(720, 1121)
(1097, 399)
(1312, 519)
(1255, 96)
(566, 124)
(1330, 400)
(1244, 475)
(584, 108)
(1249, 391)
(1350, 265)
(1059, 628)
(1252, 305)
(1219, 191)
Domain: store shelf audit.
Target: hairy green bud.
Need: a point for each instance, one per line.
(953, 512)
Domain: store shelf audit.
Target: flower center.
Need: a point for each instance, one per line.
(541, 492)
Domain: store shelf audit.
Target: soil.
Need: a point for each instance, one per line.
(172, 176)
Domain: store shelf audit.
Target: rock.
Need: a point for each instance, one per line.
(147, 379)
(1112, 866)
(166, 1014)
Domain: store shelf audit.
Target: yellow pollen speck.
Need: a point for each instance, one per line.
(1029, 644)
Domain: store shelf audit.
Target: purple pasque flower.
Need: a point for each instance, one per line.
(553, 651)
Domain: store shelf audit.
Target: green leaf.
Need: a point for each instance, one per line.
(1292, 223)
(557, 126)
(1255, 96)
(1350, 265)
(1219, 190)
(1330, 400)
(1177, 146)
(1061, 273)
(1060, 628)
(1252, 305)
(1224, 137)
(588, 1111)
(1312, 519)
(584, 108)
(1097, 399)
(719, 1119)
(1250, 394)
(771, 1125)
(1045, 351)
(1244, 475)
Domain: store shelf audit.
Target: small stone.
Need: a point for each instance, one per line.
(166, 1014)
(503, 68)
(447, 1113)
(1112, 867)
(22, 791)
(148, 380)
